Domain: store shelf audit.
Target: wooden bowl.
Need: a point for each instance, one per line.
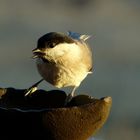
(43, 115)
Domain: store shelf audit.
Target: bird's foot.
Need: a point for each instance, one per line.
(33, 88)
(30, 91)
(69, 98)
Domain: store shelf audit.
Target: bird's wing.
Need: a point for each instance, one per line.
(87, 58)
(86, 50)
(78, 36)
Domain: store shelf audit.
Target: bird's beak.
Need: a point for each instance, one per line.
(37, 53)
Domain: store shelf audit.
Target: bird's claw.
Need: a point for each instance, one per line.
(33, 88)
(30, 91)
(68, 99)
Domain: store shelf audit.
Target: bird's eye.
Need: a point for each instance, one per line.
(52, 45)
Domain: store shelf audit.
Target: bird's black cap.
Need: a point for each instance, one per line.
(52, 39)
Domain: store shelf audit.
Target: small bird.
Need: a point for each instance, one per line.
(63, 60)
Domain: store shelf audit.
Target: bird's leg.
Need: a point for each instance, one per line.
(70, 96)
(73, 92)
(33, 88)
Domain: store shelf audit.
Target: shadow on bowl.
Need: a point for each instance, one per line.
(43, 115)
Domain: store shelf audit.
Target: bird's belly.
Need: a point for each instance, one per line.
(61, 76)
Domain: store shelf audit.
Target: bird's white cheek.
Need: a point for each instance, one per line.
(69, 50)
(66, 49)
(55, 53)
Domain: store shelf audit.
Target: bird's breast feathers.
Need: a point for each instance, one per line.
(62, 75)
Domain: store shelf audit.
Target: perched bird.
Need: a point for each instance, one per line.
(63, 60)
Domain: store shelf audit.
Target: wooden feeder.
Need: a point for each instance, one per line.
(43, 115)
